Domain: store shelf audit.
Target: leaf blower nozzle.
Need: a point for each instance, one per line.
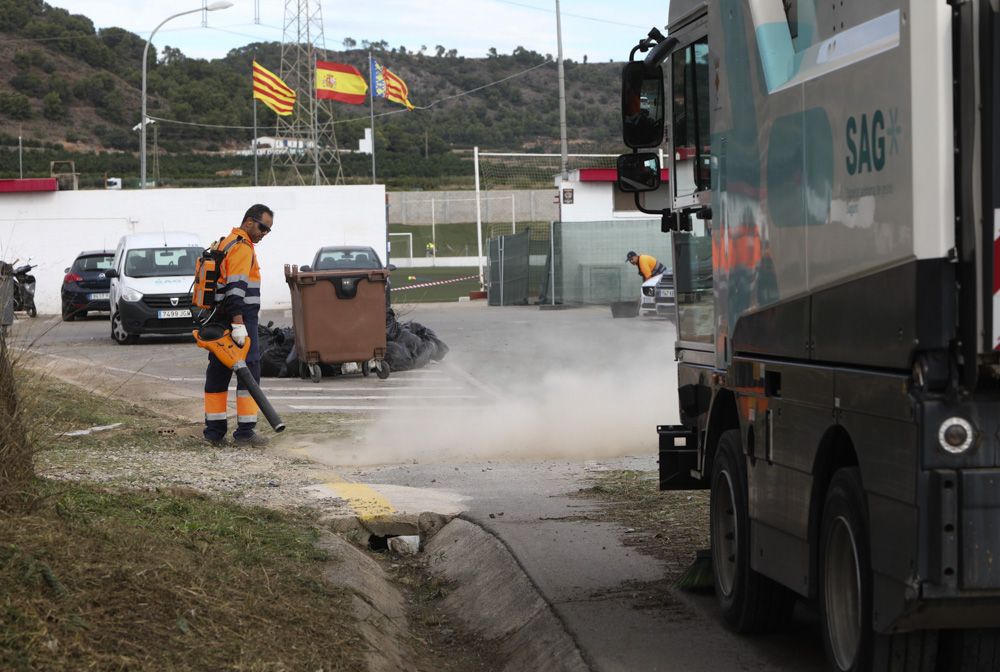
(217, 339)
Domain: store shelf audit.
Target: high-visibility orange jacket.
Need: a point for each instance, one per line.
(648, 266)
(239, 278)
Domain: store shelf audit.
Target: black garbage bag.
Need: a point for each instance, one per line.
(410, 345)
(275, 345)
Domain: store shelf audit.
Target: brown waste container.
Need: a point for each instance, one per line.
(339, 318)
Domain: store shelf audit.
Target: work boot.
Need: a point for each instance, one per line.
(254, 440)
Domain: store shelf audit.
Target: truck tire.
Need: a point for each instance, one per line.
(970, 650)
(750, 602)
(845, 591)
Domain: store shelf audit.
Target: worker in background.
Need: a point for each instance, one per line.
(429, 247)
(238, 305)
(648, 265)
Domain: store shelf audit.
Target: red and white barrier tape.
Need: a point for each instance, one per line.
(436, 283)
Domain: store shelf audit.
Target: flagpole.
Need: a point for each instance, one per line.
(371, 105)
(255, 142)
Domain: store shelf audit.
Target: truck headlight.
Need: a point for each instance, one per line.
(956, 435)
(132, 295)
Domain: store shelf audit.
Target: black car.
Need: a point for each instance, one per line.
(85, 287)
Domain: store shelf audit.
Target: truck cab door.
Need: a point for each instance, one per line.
(690, 165)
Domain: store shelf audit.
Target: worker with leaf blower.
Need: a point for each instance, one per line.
(227, 288)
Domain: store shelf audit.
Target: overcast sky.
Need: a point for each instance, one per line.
(599, 29)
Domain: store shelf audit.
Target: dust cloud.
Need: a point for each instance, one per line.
(585, 391)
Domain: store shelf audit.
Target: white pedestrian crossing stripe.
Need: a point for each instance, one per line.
(445, 387)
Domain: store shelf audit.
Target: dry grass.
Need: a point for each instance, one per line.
(16, 463)
(98, 579)
(108, 579)
(672, 526)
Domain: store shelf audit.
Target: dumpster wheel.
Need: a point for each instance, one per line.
(366, 369)
(315, 374)
(383, 369)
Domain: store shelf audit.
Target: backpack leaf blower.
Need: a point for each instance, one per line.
(218, 340)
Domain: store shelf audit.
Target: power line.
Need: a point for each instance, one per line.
(575, 16)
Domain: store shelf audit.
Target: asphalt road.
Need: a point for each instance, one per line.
(525, 408)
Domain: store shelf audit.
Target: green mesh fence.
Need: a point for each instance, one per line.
(590, 266)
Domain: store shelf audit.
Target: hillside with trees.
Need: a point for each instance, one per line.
(74, 92)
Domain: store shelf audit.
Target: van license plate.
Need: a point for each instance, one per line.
(103, 296)
(167, 314)
(666, 293)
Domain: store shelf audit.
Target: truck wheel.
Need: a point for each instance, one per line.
(845, 592)
(750, 601)
(118, 333)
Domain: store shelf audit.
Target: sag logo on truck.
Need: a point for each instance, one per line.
(867, 139)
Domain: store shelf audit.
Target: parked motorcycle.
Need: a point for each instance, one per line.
(24, 288)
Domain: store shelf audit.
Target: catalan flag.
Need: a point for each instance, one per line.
(336, 81)
(389, 86)
(270, 90)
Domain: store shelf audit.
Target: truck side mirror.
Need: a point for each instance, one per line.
(643, 105)
(639, 172)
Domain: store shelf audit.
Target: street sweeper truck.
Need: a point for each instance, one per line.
(834, 192)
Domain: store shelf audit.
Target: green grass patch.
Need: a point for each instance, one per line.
(100, 579)
(402, 277)
(453, 240)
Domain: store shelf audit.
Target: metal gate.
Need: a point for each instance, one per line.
(507, 271)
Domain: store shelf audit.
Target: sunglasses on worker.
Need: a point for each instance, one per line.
(264, 228)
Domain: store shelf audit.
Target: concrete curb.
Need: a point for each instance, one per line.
(377, 605)
(496, 599)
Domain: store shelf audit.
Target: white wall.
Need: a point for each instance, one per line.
(595, 202)
(52, 228)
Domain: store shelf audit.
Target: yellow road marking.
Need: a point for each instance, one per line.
(366, 501)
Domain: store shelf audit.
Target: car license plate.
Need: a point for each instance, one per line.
(666, 293)
(167, 314)
(102, 296)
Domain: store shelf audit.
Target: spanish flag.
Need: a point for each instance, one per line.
(336, 81)
(387, 85)
(273, 92)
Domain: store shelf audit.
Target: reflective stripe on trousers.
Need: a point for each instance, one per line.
(217, 379)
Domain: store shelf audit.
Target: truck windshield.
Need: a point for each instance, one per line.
(157, 262)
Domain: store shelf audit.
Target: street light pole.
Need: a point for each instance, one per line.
(562, 99)
(145, 53)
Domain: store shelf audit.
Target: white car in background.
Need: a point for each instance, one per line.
(647, 300)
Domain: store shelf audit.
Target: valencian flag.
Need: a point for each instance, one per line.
(336, 81)
(389, 86)
(273, 92)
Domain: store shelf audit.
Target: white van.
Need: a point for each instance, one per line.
(151, 285)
